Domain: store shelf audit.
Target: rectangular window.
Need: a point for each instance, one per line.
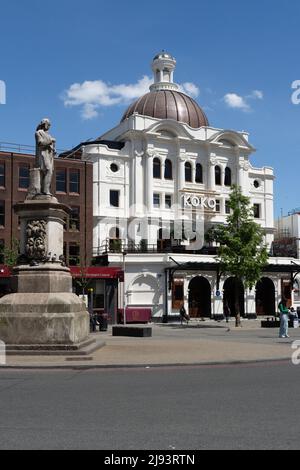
(74, 182)
(61, 180)
(24, 176)
(218, 205)
(114, 198)
(256, 211)
(227, 207)
(2, 213)
(156, 201)
(2, 175)
(74, 219)
(74, 254)
(168, 201)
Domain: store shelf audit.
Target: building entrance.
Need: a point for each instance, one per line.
(265, 297)
(199, 298)
(229, 296)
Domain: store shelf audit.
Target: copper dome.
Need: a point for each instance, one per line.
(169, 104)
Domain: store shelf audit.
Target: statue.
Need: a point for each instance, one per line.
(45, 153)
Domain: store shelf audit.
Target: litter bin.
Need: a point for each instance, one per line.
(103, 322)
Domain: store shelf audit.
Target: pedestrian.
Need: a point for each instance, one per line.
(226, 311)
(293, 314)
(183, 314)
(284, 319)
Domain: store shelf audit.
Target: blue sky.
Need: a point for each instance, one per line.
(231, 48)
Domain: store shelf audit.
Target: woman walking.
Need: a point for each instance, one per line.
(284, 319)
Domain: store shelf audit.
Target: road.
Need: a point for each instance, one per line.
(252, 406)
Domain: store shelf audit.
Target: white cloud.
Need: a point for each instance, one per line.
(92, 95)
(89, 111)
(257, 94)
(235, 101)
(190, 89)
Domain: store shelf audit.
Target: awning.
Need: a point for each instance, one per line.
(97, 272)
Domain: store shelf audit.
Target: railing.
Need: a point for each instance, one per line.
(162, 246)
(20, 148)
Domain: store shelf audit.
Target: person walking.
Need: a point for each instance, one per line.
(226, 311)
(284, 319)
(183, 314)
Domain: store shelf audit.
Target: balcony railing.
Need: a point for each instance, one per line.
(162, 246)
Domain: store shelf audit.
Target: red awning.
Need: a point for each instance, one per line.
(97, 272)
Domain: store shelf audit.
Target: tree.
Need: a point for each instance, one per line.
(10, 255)
(241, 251)
(83, 281)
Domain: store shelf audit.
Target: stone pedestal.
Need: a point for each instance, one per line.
(43, 312)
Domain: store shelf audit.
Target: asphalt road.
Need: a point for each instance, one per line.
(221, 407)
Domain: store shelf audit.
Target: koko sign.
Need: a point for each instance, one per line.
(203, 202)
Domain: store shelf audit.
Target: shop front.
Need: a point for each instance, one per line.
(100, 287)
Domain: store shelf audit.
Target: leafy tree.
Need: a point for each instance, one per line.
(241, 251)
(10, 255)
(83, 281)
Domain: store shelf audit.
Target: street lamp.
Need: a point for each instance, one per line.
(124, 288)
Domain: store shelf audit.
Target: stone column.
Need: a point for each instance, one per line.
(181, 173)
(211, 174)
(241, 174)
(180, 179)
(149, 181)
(132, 183)
(222, 175)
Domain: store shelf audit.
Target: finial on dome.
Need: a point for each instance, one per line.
(163, 67)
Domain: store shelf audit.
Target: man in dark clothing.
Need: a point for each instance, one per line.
(183, 314)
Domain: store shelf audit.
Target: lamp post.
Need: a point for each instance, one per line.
(90, 308)
(124, 288)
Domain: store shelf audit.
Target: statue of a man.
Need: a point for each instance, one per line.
(45, 152)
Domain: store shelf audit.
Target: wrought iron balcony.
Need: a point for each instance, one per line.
(162, 246)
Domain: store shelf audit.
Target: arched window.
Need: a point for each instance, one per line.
(218, 175)
(168, 170)
(227, 176)
(199, 173)
(188, 172)
(156, 168)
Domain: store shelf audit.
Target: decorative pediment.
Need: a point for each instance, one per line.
(170, 128)
(229, 139)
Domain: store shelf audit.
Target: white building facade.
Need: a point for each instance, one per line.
(162, 176)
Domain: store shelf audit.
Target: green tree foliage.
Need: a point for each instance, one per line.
(241, 252)
(10, 255)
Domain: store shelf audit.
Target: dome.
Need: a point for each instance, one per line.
(163, 55)
(169, 104)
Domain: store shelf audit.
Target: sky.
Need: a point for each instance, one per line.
(81, 63)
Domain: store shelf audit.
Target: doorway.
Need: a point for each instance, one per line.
(229, 296)
(265, 297)
(199, 298)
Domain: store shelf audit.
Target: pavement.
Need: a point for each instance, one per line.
(198, 343)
